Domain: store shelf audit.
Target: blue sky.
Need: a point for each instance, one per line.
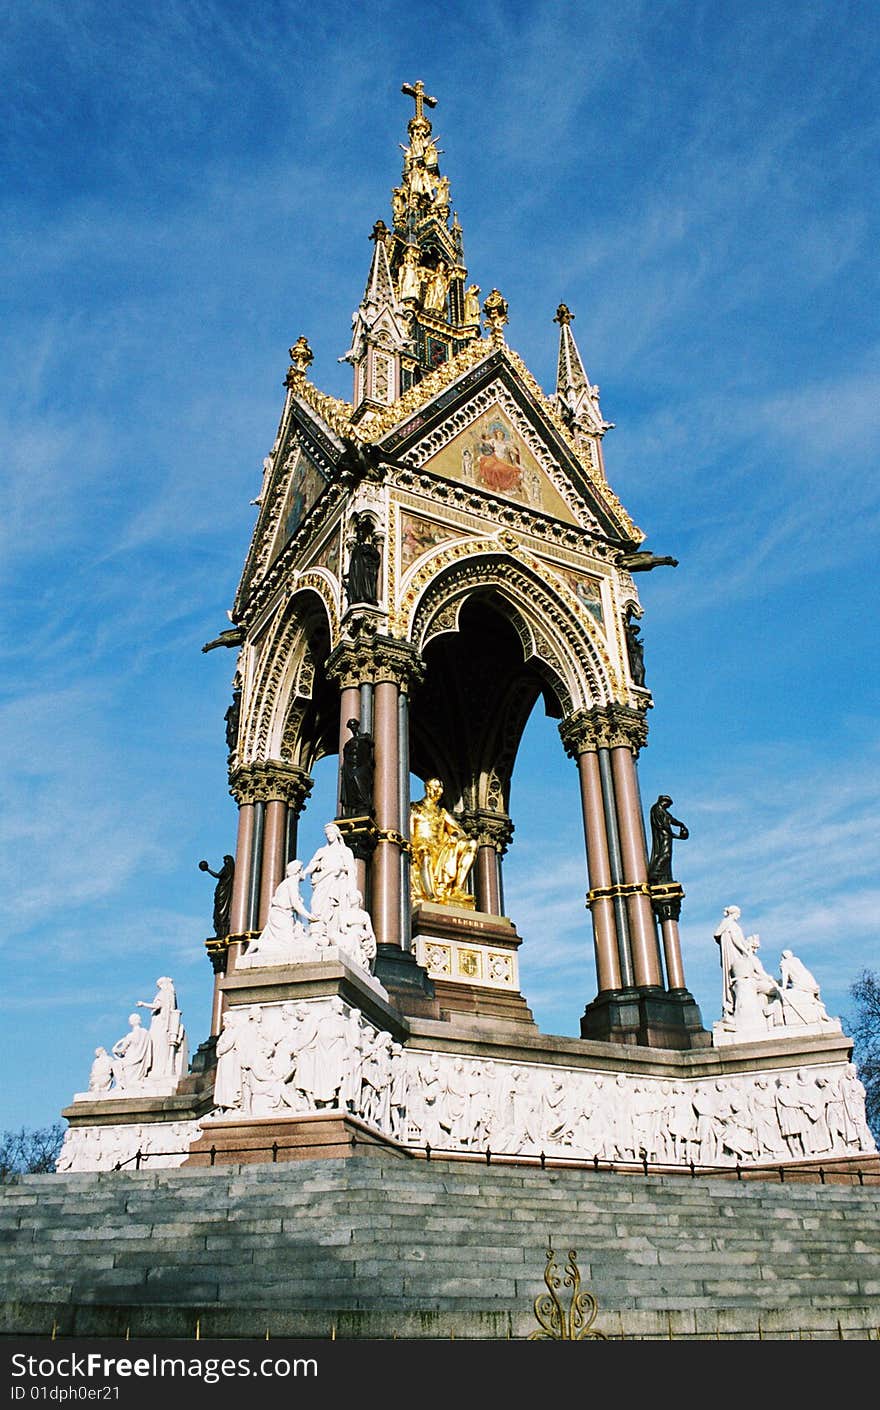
(187, 188)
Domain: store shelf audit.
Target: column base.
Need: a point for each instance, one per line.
(409, 985)
(648, 1018)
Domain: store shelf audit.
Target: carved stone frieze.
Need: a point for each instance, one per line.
(605, 727)
(268, 781)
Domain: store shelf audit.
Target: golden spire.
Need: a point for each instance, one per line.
(301, 359)
(495, 310)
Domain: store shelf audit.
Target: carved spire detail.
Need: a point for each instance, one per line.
(576, 398)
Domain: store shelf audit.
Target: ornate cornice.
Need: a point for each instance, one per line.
(270, 781)
(604, 727)
(371, 659)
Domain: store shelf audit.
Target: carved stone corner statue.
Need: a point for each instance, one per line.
(442, 853)
(336, 917)
(754, 1004)
(144, 1061)
(663, 830)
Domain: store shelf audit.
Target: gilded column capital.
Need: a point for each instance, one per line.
(270, 781)
(371, 659)
(604, 727)
(488, 829)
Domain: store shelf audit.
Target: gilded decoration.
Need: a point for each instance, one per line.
(469, 966)
(442, 852)
(558, 1322)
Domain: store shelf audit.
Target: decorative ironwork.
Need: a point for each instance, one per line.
(558, 1323)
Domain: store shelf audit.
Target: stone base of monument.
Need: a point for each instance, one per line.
(646, 1018)
(471, 958)
(319, 1135)
(334, 974)
(408, 984)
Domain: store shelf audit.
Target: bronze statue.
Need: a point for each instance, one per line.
(232, 718)
(442, 852)
(222, 893)
(361, 581)
(358, 766)
(635, 650)
(663, 826)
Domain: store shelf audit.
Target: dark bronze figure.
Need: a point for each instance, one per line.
(222, 893)
(361, 582)
(663, 826)
(232, 717)
(635, 650)
(358, 767)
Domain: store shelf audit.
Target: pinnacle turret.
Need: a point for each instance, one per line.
(576, 398)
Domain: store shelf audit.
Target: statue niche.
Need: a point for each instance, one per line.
(442, 853)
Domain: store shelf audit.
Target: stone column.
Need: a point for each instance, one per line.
(265, 792)
(643, 932)
(380, 669)
(610, 938)
(666, 900)
(386, 861)
(492, 833)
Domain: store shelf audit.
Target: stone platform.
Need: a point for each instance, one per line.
(390, 1247)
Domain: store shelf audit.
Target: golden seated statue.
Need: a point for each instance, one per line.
(442, 852)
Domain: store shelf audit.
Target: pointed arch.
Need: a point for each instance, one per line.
(557, 636)
(291, 716)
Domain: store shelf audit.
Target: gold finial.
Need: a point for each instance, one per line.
(564, 316)
(495, 310)
(301, 359)
(417, 91)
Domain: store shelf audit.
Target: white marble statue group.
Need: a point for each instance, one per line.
(336, 916)
(144, 1060)
(754, 1003)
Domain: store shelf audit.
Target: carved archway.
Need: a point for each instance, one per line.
(293, 708)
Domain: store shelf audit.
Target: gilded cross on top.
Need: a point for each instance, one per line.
(417, 91)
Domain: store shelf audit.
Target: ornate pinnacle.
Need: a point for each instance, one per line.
(301, 359)
(564, 316)
(417, 91)
(495, 310)
(379, 232)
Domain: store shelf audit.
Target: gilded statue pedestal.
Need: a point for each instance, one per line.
(471, 958)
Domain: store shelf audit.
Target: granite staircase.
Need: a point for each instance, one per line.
(382, 1246)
